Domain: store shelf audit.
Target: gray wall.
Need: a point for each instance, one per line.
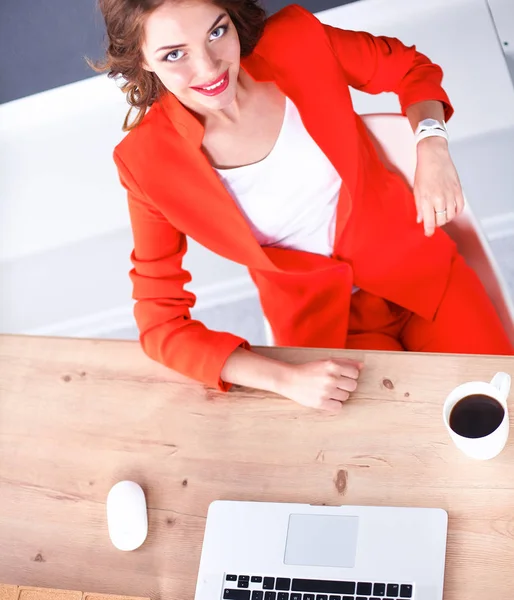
(43, 43)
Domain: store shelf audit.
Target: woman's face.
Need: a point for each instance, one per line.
(193, 48)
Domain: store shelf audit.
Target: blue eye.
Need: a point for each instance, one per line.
(174, 55)
(219, 32)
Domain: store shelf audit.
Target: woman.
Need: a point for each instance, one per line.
(245, 139)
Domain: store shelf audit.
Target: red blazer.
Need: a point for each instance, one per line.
(173, 192)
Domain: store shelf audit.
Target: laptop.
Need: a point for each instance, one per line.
(268, 551)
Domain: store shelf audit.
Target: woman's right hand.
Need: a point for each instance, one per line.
(323, 384)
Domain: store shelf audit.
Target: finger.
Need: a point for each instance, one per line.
(341, 368)
(451, 210)
(358, 363)
(344, 362)
(339, 395)
(419, 210)
(330, 405)
(347, 385)
(460, 201)
(440, 212)
(347, 371)
(428, 219)
(441, 216)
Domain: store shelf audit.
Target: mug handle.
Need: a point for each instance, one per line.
(501, 381)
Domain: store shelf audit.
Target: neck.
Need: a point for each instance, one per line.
(231, 114)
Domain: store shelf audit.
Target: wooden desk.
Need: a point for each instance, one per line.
(77, 415)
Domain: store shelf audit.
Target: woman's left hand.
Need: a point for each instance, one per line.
(437, 189)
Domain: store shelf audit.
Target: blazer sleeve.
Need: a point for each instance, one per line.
(162, 310)
(383, 64)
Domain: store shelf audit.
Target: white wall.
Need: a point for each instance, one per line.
(64, 230)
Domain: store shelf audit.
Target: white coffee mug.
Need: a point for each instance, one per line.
(489, 446)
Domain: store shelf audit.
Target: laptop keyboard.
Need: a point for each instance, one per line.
(246, 587)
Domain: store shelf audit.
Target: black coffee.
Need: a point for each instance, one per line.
(476, 416)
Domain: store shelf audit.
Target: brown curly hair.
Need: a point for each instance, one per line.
(124, 20)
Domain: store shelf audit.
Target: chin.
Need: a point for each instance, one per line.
(222, 101)
(219, 102)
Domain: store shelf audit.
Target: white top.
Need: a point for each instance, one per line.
(290, 197)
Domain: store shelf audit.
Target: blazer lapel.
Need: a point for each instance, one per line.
(205, 210)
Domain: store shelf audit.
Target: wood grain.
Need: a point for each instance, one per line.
(33, 593)
(88, 596)
(8, 592)
(13, 592)
(76, 416)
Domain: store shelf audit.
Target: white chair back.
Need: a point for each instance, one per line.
(395, 143)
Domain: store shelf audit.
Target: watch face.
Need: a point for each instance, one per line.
(430, 123)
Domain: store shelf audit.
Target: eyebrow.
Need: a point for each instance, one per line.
(175, 46)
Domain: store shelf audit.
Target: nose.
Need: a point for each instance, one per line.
(206, 67)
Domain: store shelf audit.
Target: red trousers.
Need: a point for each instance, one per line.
(465, 323)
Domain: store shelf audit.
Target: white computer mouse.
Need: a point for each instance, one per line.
(127, 519)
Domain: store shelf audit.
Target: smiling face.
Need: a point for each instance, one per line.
(193, 47)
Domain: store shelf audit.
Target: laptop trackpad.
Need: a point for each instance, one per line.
(322, 541)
